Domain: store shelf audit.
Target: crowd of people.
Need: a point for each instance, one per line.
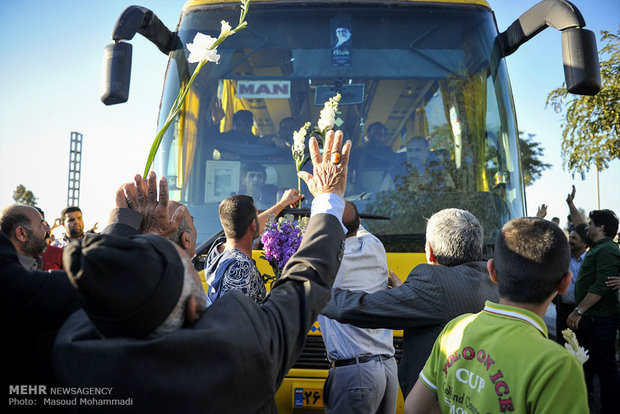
(414, 166)
(126, 308)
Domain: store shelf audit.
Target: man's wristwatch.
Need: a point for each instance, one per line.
(578, 311)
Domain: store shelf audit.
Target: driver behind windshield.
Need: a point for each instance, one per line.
(239, 142)
(423, 169)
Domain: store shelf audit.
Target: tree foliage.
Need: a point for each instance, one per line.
(531, 158)
(23, 196)
(591, 126)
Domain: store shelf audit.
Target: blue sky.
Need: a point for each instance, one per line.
(49, 86)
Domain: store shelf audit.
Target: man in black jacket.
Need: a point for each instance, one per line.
(228, 358)
(35, 304)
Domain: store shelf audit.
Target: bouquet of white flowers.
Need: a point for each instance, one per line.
(572, 346)
(327, 120)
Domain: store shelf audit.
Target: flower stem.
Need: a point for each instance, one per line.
(178, 103)
(174, 110)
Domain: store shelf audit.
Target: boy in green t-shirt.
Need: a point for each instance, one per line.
(501, 360)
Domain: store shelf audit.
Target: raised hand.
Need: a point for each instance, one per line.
(330, 168)
(217, 112)
(394, 280)
(571, 197)
(613, 282)
(542, 211)
(141, 195)
(291, 198)
(94, 228)
(57, 223)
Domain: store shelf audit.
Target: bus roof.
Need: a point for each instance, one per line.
(193, 3)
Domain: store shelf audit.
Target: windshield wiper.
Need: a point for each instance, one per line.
(305, 212)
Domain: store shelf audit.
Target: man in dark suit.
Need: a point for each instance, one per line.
(27, 230)
(34, 306)
(228, 358)
(36, 303)
(455, 281)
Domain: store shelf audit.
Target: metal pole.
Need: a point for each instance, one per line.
(598, 193)
(75, 170)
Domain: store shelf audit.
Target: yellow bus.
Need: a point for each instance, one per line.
(417, 69)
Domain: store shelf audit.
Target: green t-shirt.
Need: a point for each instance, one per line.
(501, 360)
(601, 261)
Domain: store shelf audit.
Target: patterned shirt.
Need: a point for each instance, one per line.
(233, 270)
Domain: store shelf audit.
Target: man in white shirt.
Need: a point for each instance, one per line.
(363, 377)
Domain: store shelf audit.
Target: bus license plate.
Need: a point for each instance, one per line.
(308, 397)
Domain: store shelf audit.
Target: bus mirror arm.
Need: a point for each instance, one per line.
(137, 19)
(117, 56)
(579, 51)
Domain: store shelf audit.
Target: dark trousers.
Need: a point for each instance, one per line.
(597, 334)
(368, 387)
(562, 312)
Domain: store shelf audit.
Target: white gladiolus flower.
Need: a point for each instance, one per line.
(226, 29)
(572, 346)
(200, 49)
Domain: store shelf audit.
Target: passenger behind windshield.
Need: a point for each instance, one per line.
(423, 169)
(253, 183)
(242, 125)
(239, 142)
(373, 166)
(284, 140)
(375, 143)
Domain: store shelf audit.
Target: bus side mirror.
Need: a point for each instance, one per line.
(117, 56)
(581, 65)
(116, 73)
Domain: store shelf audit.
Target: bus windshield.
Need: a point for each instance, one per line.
(424, 99)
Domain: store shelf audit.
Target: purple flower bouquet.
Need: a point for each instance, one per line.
(281, 239)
